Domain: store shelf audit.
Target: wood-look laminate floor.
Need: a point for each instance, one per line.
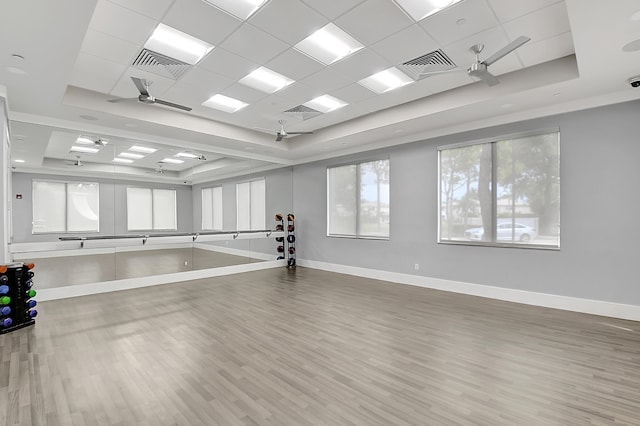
(307, 347)
(68, 270)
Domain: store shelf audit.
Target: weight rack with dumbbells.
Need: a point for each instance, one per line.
(280, 228)
(16, 297)
(291, 241)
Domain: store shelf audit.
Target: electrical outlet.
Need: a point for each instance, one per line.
(416, 266)
(186, 263)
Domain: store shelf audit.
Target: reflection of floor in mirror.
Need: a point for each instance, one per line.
(72, 270)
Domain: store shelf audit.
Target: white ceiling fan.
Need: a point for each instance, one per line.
(76, 163)
(282, 133)
(147, 98)
(479, 69)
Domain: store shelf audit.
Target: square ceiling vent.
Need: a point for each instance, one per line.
(157, 63)
(302, 112)
(430, 62)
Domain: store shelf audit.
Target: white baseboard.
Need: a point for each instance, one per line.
(235, 252)
(130, 283)
(595, 307)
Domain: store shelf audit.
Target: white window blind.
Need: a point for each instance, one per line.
(65, 207)
(251, 205)
(151, 209)
(212, 208)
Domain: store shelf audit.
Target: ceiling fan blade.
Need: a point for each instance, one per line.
(488, 78)
(279, 137)
(172, 105)
(506, 50)
(430, 73)
(299, 133)
(142, 85)
(115, 101)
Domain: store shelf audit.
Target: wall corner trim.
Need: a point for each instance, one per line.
(574, 304)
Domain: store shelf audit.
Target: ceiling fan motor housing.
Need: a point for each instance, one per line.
(147, 99)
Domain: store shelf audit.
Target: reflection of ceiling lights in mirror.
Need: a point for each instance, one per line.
(84, 149)
(266, 80)
(178, 45)
(144, 149)
(172, 161)
(131, 155)
(224, 103)
(325, 103)
(386, 80)
(18, 161)
(84, 141)
(122, 160)
(329, 44)
(242, 9)
(187, 155)
(420, 9)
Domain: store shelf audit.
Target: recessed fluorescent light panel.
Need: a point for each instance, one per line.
(224, 103)
(329, 44)
(325, 103)
(131, 155)
(172, 161)
(122, 160)
(143, 149)
(18, 161)
(266, 80)
(186, 155)
(84, 149)
(386, 80)
(420, 9)
(85, 141)
(242, 9)
(178, 45)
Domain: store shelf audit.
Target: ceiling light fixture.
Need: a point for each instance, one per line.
(187, 155)
(144, 149)
(241, 9)
(122, 160)
(325, 103)
(131, 155)
(386, 80)
(266, 80)
(329, 44)
(84, 149)
(18, 161)
(172, 161)
(178, 45)
(224, 103)
(84, 141)
(420, 9)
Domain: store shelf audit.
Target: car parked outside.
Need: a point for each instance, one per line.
(504, 232)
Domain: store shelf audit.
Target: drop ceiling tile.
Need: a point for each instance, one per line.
(298, 93)
(254, 44)
(361, 64)
(244, 93)
(541, 24)
(333, 8)
(199, 19)
(109, 48)
(445, 28)
(152, 8)
(493, 40)
(94, 73)
(206, 82)
(225, 63)
(294, 64)
(288, 20)
(405, 45)
(353, 93)
(507, 10)
(327, 80)
(373, 20)
(125, 88)
(547, 49)
(443, 82)
(131, 26)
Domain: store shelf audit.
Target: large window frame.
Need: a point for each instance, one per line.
(212, 208)
(358, 223)
(253, 193)
(89, 209)
(500, 193)
(151, 209)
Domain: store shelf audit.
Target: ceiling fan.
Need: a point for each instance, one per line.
(147, 98)
(282, 133)
(479, 69)
(76, 163)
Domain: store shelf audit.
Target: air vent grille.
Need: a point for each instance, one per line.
(432, 61)
(303, 112)
(157, 63)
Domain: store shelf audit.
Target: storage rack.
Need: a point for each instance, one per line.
(16, 297)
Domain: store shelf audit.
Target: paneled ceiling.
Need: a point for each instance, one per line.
(65, 62)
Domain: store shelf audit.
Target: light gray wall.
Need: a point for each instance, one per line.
(600, 232)
(113, 206)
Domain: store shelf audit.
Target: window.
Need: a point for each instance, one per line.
(358, 200)
(251, 206)
(212, 208)
(65, 207)
(151, 209)
(504, 192)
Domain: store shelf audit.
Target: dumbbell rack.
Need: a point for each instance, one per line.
(280, 228)
(291, 241)
(16, 297)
